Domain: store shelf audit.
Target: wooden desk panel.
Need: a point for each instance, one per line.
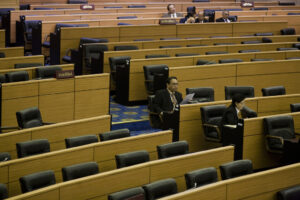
(8, 63)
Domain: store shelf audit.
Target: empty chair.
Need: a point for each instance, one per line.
(161, 188)
(295, 107)
(136, 6)
(247, 91)
(249, 51)
(47, 71)
(79, 170)
(211, 117)
(215, 52)
(259, 8)
(91, 52)
(155, 77)
(293, 58)
(218, 44)
(279, 130)
(17, 76)
(116, 134)
(169, 46)
(80, 140)
(235, 169)
(3, 191)
(170, 38)
(283, 3)
(4, 156)
(201, 177)
(28, 25)
(205, 62)
(128, 194)
(186, 54)
(202, 94)
(32, 147)
(125, 47)
(291, 193)
(29, 118)
(288, 31)
(172, 149)
(157, 56)
(273, 91)
(131, 158)
(266, 40)
(115, 62)
(263, 34)
(230, 60)
(25, 65)
(296, 45)
(260, 59)
(126, 17)
(2, 55)
(287, 49)
(251, 42)
(2, 78)
(37, 180)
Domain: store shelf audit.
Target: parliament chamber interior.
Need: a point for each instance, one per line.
(150, 99)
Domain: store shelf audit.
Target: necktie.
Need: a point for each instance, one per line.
(173, 99)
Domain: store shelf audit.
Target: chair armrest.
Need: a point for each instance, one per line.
(68, 52)
(7, 128)
(46, 37)
(217, 129)
(276, 137)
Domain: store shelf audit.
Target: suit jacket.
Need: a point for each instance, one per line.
(204, 20)
(162, 101)
(222, 20)
(169, 15)
(230, 116)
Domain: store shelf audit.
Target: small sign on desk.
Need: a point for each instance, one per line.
(65, 74)
(167, 21)
(87, 7)
(245, 4)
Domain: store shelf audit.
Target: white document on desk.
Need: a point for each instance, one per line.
(187, 98)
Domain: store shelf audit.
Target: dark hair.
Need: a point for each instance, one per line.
(237, 98)
(168, 81)
(168, 6)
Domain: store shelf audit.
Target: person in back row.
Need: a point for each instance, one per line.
(224, 18)
(172, 12)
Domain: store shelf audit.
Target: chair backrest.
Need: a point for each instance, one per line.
(4, 156)
(131, 158)
(296, 45)
(172, 149)
(77, 1)
(26, 65)
(287, 49)
(126, 17)
(218, 44)
(295, 107)
(292, 193)
(169, 46)
(85, 40)
(79, 170)
(116, 134)
(17, 76)
(230, 91)
(3, 191)
(259, 8)
(37, 180)
(136, 6)
(80, 140)
(263, 34)
(119, 60)
(202, 94)
(282, 126)
(236, 168)
(249, 50)
(131, 193)
(170, 38)
(47, 71)
(2, 55)
(233, 18)
(156, 56)
(201, 177)
(155, 77)
(125, 47)
(288, 31)
(29, 117)
(205, 62)
(60, 25)
(93, 51)
(273, 91)
(260, 59)
(215, 52)
(230, 60)
(2, 78)
(159, 189)
(32, 147)
(266, 40)
(186, 54)
(28, 26)
(251, 42)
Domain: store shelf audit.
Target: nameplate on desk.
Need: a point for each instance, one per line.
(167, 21)
(247, 4)
(87, 7)
(65, 74)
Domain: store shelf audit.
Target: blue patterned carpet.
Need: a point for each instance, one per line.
(135, 118)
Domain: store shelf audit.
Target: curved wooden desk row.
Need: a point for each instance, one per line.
(68, 38)
(261, 185)
(55, 133)
(191, 130)
(12, 51)
(102, 152)
(32, 70)
(100, 185)
(228, 74)
(58, 100)
(140, 54)
(9, 63)
(260, 13)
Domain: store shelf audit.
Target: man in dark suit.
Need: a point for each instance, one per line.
(172, 12)
(224, 18)
(166, 102)
(201, 19)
